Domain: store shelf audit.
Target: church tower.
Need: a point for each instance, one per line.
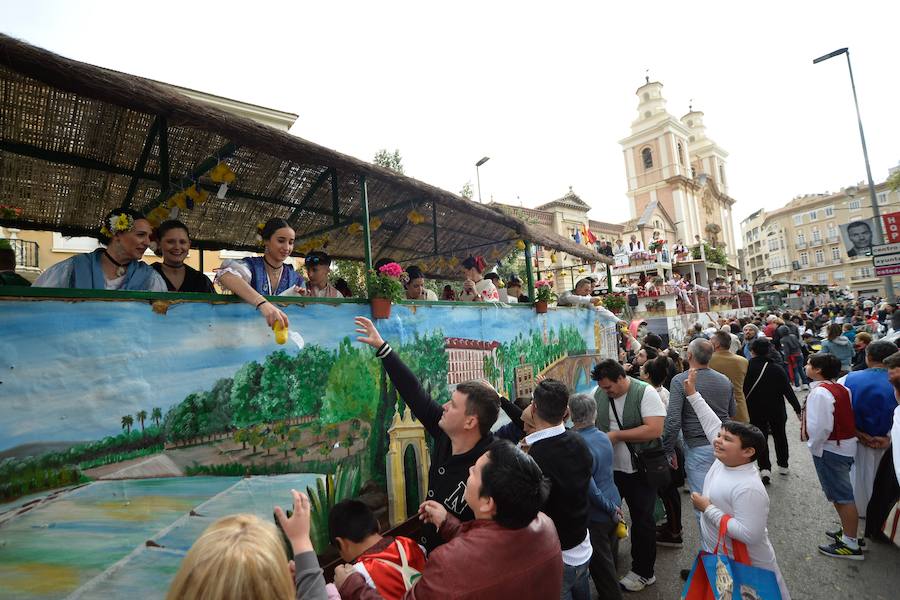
(671, 164)
(655, 152)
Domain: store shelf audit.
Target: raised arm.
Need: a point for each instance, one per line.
(236, 284)
(709, 420)
(673, 416)
(408, 386)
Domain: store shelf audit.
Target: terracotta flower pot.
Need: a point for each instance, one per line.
(381, 308)
(540, 306)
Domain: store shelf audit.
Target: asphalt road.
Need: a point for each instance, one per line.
(798, 517)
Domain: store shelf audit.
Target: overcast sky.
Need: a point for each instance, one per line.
(546, 90)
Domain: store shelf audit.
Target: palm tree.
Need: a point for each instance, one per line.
(156, 415)
(127, 422)
(141, 416)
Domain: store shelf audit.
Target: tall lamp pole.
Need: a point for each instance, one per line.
(478, 175)
(888, 280)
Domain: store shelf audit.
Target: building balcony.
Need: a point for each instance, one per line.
(815, 243)
(800, 245)
(861, 277)
(834, 239)
(26, 253)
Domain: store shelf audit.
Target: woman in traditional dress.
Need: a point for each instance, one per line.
(414, 282)
(255, 277)
(473, 267)
(173, 244)
(118, 266)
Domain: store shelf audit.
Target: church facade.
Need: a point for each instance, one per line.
(676, 183)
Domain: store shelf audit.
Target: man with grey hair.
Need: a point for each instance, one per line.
(604, 510)
(717, 391)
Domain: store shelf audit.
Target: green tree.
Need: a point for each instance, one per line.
(354, 273)
(312, 366)
(466, 191)
(156, 415)
(270, 441)
(351, 390)
(389, 160)
(240, 437)
(141, 417)
(127, 422)
(244, 392)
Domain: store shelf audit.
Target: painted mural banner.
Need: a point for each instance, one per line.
(128, 424)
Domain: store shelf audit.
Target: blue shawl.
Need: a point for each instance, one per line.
(88, 274)
(259, 281)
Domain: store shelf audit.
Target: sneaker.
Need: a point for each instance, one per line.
(632, 582)
(839, 534)
(766, 476)
(783, 470)
(839, 549)
(669, 539)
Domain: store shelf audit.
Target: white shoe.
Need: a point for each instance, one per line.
(766, 476)
(784, 471)
(632, 582)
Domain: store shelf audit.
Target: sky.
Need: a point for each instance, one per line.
(545, 90)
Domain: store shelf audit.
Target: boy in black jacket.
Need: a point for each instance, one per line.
(566, 461)
(461, 428)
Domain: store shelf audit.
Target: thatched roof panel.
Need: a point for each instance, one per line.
(75, 139)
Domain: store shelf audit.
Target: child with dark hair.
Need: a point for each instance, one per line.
(389, 565)
(831, 433)
(732, 486)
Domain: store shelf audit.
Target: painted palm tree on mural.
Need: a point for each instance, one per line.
(156, 415)
(141, 417)
(127, 422)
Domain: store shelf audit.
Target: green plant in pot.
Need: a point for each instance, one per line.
(614, 303)
(384, 287)
(543, 295)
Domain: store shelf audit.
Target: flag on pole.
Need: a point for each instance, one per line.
(577, 236)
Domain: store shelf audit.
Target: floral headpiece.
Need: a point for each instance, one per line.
(259, 231)
(117, 223)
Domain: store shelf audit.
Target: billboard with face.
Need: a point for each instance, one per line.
(858, 237)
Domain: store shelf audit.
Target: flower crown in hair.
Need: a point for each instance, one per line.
(117, 223)
(259, 231)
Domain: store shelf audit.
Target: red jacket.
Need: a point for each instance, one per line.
(482, 559)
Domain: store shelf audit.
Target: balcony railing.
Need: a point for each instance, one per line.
(815, 243)
(800, 245)
(833, 239)
(859, 277)
(26, 253)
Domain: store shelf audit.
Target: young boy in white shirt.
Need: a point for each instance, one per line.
(831, 429)
(732, 486)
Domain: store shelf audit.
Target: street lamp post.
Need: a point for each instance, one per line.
(478, 175)
(888, 280)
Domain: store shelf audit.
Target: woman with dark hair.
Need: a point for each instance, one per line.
(414, 282)
(448, 293)
(473, 267)
(255, 277)
(118, 266)
(173, 244)
(766, 387)
(840, 346)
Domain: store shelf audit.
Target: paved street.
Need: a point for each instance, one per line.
(798, 516)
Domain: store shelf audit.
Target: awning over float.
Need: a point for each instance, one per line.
(77, 141)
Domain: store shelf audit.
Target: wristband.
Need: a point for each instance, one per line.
(263, 301)
(380, 348)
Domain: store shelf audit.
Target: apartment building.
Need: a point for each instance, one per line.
(803, 243)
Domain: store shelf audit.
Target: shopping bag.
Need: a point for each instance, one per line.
(892, 525)
(717, 576)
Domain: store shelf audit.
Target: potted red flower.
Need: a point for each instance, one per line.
(543, 292)
(384, 288)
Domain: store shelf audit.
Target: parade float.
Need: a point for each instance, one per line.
(130, 421)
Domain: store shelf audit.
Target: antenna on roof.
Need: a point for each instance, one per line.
(691, 105)
(647, 75)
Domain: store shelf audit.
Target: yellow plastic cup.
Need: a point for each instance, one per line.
(281, 332)
(621, 530)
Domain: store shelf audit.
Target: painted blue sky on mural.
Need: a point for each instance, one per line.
(70, 370)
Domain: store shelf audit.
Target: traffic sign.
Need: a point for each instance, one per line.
(884, 249)
(886, 260)
(890, 270)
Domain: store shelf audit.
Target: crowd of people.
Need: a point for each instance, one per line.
(557, 478)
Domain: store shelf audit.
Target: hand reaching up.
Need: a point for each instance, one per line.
(368, 334)
(690, 384)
